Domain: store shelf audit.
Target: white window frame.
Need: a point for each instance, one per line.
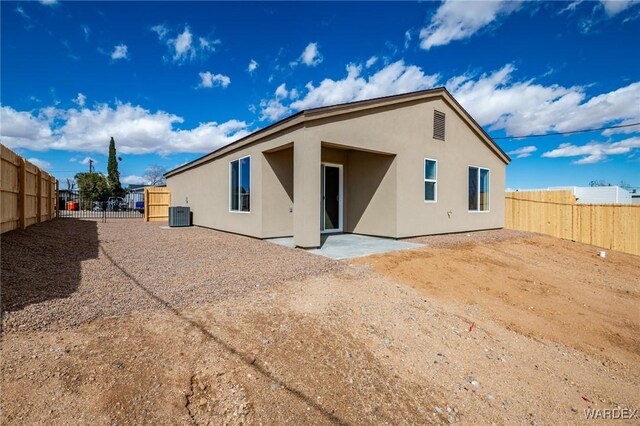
(240, 180)
(488, 189)
(435, 181)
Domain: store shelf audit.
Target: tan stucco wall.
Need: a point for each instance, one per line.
(207, 189)
(369, 190)
(407, 131)
(383, 194)
(306, 190)
(371, 206)
(277, 202)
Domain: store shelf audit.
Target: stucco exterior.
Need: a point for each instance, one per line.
(381, 146)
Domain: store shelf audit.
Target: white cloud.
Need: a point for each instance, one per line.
(20, 11)
(133, 179)
(135, 129)
(208, 80)
(524, 107)
(523, 152)
(496, 99)
(86, 160)
(185, 46)
(44, 165)
(80, 100)
(272, 110)
(613, 7)
(282, 92)
(182, 46)
(393, 79)
(458, 20)
(253, 65)
(407, 39)
(48, 2)
(371, 61)
(19, 128)
(86, 31)
(160, 30)
(120, 52)
(311, 56)
(594, 152)
(208, 45)
(571, 7)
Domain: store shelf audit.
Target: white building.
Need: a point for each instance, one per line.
(597, 194)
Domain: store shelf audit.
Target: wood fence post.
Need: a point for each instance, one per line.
(48, 197)
(145, 199)
(56, 202)
(38, 195)
(22, 193)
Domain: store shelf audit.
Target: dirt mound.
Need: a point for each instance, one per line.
(539, 286)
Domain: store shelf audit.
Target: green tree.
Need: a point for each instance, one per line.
(113, 175)
(93, 187)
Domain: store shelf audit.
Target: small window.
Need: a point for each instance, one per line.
(478, 189)
(240, 185)
(430, 180)
(438, 125)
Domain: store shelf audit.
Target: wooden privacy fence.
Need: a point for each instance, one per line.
(29, 195)
(612, 226)
(156, 204)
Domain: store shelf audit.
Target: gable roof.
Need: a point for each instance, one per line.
(346, 108)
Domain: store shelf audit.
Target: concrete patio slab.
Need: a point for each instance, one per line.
(347, 246)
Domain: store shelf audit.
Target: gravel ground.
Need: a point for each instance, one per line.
(527, 331)
(477, 237)
(66, 272)
(519, 331)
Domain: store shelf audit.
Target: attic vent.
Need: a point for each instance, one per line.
(438, 125)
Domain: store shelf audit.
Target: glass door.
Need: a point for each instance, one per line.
(331, 194)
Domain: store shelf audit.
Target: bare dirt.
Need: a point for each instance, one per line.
(378, 340)
(538, 286)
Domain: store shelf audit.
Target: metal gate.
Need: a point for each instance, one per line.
(74, 204)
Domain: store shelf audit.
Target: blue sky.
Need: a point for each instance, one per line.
(172, 81)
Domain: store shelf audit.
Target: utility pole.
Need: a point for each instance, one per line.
(90, 166)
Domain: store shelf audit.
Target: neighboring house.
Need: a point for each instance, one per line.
(598, 194)
(398, 166)
(135, 188)
(134, 197)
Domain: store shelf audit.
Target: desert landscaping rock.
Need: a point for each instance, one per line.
(67, 272)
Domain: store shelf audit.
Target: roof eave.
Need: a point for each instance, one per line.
(333, 110)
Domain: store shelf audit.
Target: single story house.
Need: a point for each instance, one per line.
(397, 166)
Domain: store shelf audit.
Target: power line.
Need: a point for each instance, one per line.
(540, 135)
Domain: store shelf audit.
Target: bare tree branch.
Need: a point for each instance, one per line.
(155, 175)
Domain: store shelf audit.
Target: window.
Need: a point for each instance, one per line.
(240, 185)
(478, 189)
(430, 180)
(438, 125)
